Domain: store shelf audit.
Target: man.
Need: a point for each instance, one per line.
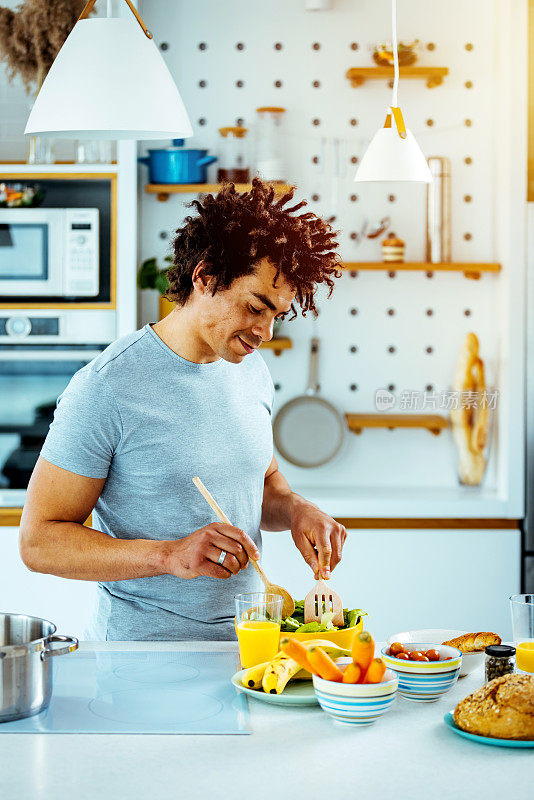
(187, 396)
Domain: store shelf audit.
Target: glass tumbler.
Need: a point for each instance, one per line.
(258, 617)
(522, 608)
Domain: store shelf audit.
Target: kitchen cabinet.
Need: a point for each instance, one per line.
(404, 579)
(410, 579)
(66, 603)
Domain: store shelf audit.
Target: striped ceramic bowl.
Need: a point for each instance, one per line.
(425, 681)
(356, 703)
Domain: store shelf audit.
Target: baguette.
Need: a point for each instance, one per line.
(470, 424)
(474, 642)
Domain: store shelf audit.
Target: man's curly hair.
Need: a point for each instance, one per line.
(234, 231)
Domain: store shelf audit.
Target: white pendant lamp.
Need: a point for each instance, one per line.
(109, 81)
(393, 154)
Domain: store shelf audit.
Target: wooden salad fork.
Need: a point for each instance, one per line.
(271, 588)
(322, 600)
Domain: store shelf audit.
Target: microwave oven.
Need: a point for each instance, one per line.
(49, 252)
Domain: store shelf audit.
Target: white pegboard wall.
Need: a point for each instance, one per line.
(277, 51)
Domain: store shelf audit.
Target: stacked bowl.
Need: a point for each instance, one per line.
(425, 681)
(356, 703)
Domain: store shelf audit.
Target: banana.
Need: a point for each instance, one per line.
(278, 673)
(252, 678)
(273, 676)
(330, 649)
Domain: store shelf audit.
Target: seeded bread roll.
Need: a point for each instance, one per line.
(473, 642)
(502, 709)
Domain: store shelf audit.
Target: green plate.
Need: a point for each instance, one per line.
(450, 723)
(296, 693)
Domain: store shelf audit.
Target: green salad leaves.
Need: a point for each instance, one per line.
(296, 621)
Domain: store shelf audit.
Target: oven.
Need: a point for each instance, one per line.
(32, 376)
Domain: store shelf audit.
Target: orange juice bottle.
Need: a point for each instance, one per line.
(525, 656)
(258, 641)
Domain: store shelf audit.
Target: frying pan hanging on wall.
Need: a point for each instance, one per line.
(308, 431)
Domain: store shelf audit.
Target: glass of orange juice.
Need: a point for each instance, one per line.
(522, 607)
(258, 616)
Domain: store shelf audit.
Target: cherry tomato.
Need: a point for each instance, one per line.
(395, 648)
(404, 656)
(424, 658)
(415, 655)
(433, 655)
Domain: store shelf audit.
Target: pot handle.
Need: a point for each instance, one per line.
(60, 651)
(203, 162)
(144, 159)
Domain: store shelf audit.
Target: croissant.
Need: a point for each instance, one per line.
(471, 642)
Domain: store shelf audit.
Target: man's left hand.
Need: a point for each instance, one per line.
(319, 538)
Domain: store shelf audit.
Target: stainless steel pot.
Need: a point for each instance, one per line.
(25, 668)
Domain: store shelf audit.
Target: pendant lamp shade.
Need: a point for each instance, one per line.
(109, 81)
(392, 158)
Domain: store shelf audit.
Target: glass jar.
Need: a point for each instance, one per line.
(233, 158)
(269, 143)
(41, 150)
(87, 151)
(500, 660)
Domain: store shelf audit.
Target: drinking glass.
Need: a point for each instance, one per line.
(522, 608)
(258, 617)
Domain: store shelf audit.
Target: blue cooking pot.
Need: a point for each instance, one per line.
(177, 165)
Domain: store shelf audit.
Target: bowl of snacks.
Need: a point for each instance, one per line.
(407, 51)
(471, 645)
(294, 626)
(20, 195)
(355, 690)
(425, 670)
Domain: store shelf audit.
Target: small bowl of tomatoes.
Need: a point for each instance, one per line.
(425, 670)
(470, 661)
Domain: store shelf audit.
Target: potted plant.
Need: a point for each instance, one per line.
(150, 276)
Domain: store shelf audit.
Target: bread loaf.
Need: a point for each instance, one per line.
(471, 642)
(469, 421)
(503, 709)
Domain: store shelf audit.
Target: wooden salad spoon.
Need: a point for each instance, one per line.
(271, 588)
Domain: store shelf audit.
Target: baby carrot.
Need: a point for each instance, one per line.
(296, 651)
(323, 665)
(376, 671)
(363, 650)
(352, 673)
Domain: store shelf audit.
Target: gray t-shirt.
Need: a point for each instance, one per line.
(147, 420)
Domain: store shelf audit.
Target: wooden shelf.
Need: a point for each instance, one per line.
(277, 345)
(471, 270)
(434, 75)
(434, 423)
(163, 190)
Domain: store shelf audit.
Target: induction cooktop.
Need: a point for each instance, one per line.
(141, 692)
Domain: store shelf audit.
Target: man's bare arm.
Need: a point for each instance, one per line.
(54, 540)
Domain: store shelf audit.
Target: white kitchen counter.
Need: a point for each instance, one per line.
(406, 502)
(291, 753)
(392, 502)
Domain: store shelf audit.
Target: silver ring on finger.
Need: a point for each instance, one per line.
(222, 557)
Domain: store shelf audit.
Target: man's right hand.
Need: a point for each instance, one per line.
(199, 553)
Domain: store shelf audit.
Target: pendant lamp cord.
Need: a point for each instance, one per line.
(394, 101)
(89, 6)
